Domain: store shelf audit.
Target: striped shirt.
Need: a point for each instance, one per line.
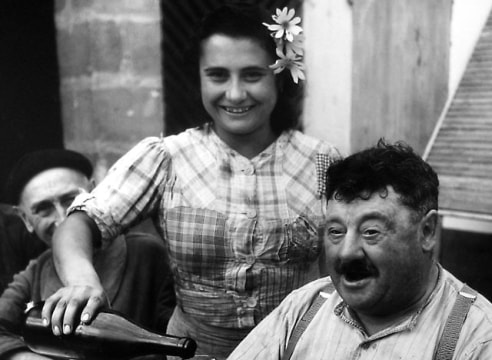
(334, 334)
(241, 233)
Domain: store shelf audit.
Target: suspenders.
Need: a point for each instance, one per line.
(466, 297)
(445, 350)
(304, 322)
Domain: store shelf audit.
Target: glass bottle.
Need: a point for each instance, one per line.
(110, 335)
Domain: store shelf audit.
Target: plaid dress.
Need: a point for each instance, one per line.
(241, 233)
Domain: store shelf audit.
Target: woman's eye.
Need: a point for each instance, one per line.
(217, 76)
(252, 76)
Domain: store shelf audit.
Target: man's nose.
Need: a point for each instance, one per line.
(351, 247)
(60, 213)
(235, 91)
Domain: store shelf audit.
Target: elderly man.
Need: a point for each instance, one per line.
(387, 297)
(42, 185)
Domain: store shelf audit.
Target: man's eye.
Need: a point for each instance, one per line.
(67, 201)
(371, 233)
(43, 210)
(334, 232)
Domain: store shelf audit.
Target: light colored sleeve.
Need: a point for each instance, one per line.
(268, 340)
(481, 352)
(131, 191)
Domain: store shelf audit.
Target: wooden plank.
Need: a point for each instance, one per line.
(400, 71)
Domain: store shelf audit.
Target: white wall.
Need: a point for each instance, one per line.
(468, 19)
(328, 59)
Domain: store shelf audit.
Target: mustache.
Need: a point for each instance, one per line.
(356, 269)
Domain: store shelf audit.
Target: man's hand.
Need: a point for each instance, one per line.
(62, 309)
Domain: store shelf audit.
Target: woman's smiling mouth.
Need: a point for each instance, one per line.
(236, 109)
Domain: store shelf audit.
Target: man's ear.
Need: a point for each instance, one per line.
(22, 214)
(428, 230)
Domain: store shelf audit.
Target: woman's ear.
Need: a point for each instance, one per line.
(428, 230)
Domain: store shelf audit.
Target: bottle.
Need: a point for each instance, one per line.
(109, 336)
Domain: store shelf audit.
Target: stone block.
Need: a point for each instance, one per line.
(143, 44)
(113, 6)
(74, 50)
(78, 124)
(106, 46)
(128, 114)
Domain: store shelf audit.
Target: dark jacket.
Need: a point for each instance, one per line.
(134, 274)
(17, 245)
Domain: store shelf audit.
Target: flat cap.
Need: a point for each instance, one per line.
(36, 162)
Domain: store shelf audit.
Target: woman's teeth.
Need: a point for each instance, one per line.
(237, 110)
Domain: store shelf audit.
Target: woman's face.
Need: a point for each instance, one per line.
(238, 88)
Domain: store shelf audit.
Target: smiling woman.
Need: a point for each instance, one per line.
(238, 200)
(181, 91)
(239, 92)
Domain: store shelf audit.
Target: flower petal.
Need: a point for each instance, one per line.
(295, 20)
(290, 14)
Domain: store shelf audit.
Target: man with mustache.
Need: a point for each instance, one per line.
(387, 297)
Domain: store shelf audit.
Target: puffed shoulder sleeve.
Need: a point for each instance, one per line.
(326, 156)
(131, 190)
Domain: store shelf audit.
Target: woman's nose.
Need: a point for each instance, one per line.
(235, 91)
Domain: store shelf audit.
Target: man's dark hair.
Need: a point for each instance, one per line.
(374, 169)
(243, 20)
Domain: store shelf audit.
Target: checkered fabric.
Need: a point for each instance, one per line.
(241, 233)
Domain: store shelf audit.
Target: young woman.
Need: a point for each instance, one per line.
(236, 200)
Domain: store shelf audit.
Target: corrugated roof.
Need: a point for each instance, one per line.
(461, 152)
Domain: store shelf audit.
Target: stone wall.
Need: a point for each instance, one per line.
(109, 54)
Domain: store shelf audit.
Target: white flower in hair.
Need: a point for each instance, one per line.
(286, 24)
(289, 40)
(292, 63)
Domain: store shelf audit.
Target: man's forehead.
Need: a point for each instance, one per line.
(53, 183)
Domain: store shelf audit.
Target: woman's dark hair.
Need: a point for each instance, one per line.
(244, 20)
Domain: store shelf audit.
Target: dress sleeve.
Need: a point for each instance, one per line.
(130, 192)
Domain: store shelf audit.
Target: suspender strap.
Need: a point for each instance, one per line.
(304, 322)
(452, 329)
